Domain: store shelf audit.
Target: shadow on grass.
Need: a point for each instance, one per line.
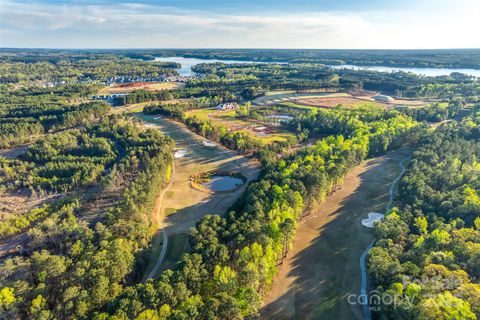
(323, 268)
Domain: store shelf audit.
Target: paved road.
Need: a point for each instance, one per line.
(158, 213)
(160, 257)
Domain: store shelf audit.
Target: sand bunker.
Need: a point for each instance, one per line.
(372, 218)
(208, 143)
(180, 153)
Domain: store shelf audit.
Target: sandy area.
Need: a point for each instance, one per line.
(149, 86)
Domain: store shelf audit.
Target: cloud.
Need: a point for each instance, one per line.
(40, 24)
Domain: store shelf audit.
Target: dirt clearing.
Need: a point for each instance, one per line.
(148, 86)
(327, 102)
(13, 153)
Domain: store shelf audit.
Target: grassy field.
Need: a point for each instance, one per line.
(182, 205)
(322, 269)
(169, 211)
(177, 243)
(289, 96)
(329, 100)
(228, 120)
(276, 92)
(133, 108)
(148, 86)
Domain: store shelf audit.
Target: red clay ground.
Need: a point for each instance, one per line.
(335, 101)
(149, 86)
(355, 102)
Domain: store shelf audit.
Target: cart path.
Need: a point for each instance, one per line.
(363, 269)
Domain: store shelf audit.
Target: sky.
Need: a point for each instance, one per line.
(323, 24)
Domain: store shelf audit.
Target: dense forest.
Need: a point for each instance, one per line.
(82, 251)
(428, 249)
(30, 112)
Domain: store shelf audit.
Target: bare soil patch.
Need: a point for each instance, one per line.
(335, 101)
(148, 86)
(13, 153)
(19, 202)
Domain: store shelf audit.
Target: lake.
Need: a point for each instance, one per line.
(188, 63)
(431, 72)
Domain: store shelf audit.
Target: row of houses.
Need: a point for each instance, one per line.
(121, 79)
(227, 106)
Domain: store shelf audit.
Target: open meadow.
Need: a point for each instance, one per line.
(261, 132)
(333, 99)
(133, 86)
(182, 206)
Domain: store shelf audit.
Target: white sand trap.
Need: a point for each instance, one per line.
(208, 143)
(156, 118)
(180, 154)
(372, 218)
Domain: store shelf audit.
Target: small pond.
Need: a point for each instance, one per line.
(222, 183)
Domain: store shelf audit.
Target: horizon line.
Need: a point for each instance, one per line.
(236, 48)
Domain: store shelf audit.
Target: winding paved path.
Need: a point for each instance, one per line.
(160, 257)
(363, 290)
(158, 213)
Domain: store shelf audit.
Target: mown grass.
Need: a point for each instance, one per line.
(169, 211)
(176, 246)
(229, 120)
